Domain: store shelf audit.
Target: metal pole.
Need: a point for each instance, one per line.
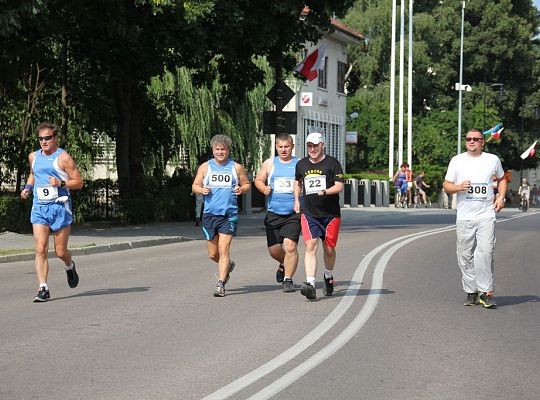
(392, 94)
(409, 87)
(401, 79)
(460, 78)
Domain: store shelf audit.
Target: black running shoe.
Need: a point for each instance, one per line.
(232, 264)
(328, 288)
(72, 277)
(288, 286)
(220, 289)
(42, 296)
(472, 299)
(486, 300)
(280, 273)
(308, 290)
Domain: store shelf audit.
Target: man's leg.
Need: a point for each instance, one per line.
(224, 263)
(310, 257)
(277, 253)
(465, 246)
(329, 256)
(483, 255)
(290, 261)
(61, 238)
(41, 239)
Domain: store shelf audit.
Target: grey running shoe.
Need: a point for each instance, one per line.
(288, 286)
(472, 299)
(232, 264)
(328, 287)
(308, 290)
(280, 273)
(72, 277)
(486, 300)
(220, 289)
(42, 296)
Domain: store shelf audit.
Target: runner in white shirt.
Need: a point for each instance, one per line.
(471, 176)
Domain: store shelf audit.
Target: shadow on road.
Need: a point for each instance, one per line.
(101, 292)
(503, 301)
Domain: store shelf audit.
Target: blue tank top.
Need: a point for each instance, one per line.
(43, 167)
(221, 179)
(281, 179)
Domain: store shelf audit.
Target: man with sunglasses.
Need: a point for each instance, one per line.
(471, 175)
(53, 173)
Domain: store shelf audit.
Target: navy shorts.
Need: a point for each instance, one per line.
(55, 215)
(279, 227)
(214, 224)
(326, 228)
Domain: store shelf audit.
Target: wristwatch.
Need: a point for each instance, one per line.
(324, 192)
(62, 183)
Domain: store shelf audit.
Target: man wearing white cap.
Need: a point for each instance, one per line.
(319, 179)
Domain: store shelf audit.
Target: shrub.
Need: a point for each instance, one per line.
(15, 214)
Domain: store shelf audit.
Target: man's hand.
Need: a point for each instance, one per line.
(499, 203)
(465, 185)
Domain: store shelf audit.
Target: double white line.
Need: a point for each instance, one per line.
(339, 341)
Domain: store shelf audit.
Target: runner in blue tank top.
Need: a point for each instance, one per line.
(53, 173)
(220, 180)
(276, 181)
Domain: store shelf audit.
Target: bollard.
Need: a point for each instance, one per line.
(366, 198)
(385, 187)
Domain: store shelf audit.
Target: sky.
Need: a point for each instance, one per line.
(537, 3)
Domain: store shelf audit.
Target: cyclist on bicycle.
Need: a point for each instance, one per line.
(421, 197)
(524, 193)
(400, 183)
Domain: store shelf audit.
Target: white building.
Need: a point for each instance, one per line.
(327, 110)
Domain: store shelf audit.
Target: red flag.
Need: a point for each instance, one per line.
(312, 63)
(529, 152)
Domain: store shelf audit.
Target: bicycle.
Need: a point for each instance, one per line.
(524, 203)
(421, 199)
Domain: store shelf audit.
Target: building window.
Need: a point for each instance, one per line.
(323, 79)
(341, 72)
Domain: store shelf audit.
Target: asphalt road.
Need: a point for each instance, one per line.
(143, 323)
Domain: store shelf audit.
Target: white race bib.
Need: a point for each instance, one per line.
(283, 185)
(477, 192)
(314, 183)
(220, 179)
(47, 192)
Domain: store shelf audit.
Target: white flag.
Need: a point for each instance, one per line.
(530, 151)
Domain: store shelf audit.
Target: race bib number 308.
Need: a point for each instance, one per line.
(477, 192)
(220, 179)
(314, 184)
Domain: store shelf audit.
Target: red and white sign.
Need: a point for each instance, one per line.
(306, 99)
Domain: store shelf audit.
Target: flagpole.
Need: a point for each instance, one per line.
(460, 78)
(409, 87)
(392, 94)
(401, 76)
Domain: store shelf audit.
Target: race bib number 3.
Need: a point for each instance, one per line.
(220, 179)
(314, 184)
(477, 192)
(283, 185)
(47, 192)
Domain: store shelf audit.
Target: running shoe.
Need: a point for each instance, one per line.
(72, 277)
(280, 273)
(486, 300)
(308, 290)
(232, 264)
(328, 288)
(288, 286)
(472, 299)
(220, 289)
(42, 296)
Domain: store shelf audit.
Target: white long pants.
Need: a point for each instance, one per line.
(475, 246)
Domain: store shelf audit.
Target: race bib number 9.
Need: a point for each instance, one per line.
(220, 179)
(47, 192)
(283, 185)
(477, 192)
(314, 184)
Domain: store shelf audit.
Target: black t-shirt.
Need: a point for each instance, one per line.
(315, 177)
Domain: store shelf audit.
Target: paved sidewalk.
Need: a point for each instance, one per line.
(102, 238)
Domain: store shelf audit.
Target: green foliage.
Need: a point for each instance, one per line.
(15, 214)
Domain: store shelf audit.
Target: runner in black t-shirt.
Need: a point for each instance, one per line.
(319, 179)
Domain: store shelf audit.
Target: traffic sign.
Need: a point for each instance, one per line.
(280, 94)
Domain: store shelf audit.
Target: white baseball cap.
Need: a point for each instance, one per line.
(315, 138)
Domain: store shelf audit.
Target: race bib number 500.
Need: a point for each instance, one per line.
(220, 179)
(314, 184)
(477, 192)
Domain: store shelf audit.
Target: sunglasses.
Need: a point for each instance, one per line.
(46, 138)
(474, 139)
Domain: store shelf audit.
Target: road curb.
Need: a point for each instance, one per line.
(106, 248)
